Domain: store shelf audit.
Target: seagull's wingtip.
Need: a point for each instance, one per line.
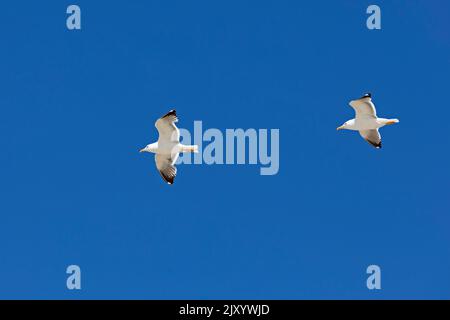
(172, 112)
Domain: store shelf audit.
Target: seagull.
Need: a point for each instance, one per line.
(168, 146)
(366, 120)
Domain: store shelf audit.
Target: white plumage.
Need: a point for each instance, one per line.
(168, 146)
(366, 120)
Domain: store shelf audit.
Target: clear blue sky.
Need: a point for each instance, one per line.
(76, 106)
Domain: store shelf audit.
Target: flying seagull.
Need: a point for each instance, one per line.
(366, 120)
(168, 146)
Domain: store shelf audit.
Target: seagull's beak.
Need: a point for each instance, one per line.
(392, 121)
(340, 128)
(142, 150)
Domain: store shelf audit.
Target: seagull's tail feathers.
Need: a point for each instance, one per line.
(193, 148)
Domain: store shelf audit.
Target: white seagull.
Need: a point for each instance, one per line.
(168, 146)
(366, 120)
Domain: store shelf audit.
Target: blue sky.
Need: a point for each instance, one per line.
(76, 106)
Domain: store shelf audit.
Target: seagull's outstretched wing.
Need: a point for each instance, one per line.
(167, 129)
(372, 136)
(364, 107)
(166, 167)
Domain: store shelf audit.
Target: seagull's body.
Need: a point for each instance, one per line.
(366, 120)
(168, 146)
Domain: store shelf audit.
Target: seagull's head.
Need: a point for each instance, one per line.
(347, 125)
(150, 148)
(344, 126)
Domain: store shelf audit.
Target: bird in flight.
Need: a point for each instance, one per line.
(168, 146)
(366, 120)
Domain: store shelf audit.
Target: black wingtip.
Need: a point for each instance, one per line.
(166, 178)
(169, 180)
(376, 145)
(366, 95)
(172, 112)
